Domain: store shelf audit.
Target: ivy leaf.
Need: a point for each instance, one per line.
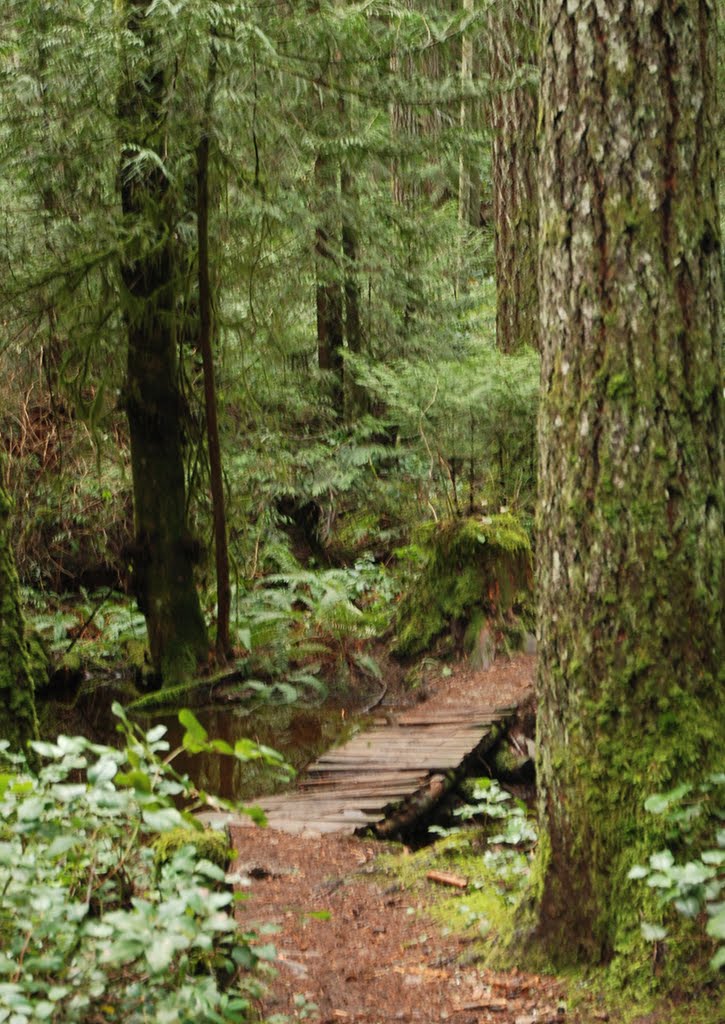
(661, 861)
(653, 932)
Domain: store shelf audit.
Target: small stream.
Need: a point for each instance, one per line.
(300, 734)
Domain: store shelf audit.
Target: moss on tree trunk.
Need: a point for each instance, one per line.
(18, 722)
(630, 523)
(164, 551)
(474, 568)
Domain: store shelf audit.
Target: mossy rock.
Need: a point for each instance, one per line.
(210, 844)
(476, 568)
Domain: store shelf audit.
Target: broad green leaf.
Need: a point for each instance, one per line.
(160, 953)
(718, 960)
(163, 819)
(193, 726)
(716, 925)
(61, 844)
(102, 771)
(652, 932)
(661, 861)
(266, 952)
(658, 803)
(688, 906)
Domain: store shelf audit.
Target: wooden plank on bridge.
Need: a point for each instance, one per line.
(352, 787)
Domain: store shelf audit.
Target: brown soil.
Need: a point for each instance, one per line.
(358, 946)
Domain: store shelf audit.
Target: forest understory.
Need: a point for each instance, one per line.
(361, 363)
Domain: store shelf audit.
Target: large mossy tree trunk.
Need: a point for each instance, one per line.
(164, 549)
(630, 520)
(512, 59)
(18, 722)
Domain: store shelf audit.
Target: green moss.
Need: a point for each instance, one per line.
(188, 694)
(210, 844)
(485, 911)
(474, 568)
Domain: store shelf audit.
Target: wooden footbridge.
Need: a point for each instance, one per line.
(388, 774)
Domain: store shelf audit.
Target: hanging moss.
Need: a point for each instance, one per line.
(475, 568)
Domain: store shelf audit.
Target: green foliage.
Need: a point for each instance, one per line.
(493, 802)
(488, 801)
(695, 886)
(294, 624)
(478, 564)
(90, 924)
(469, 414)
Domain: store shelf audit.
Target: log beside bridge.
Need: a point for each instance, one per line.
(382, 779)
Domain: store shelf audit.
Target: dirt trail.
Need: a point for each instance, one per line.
(360, 947)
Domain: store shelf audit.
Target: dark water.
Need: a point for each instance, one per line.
(299, 734)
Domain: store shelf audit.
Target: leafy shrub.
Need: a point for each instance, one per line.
(697, 885)
(90, 927)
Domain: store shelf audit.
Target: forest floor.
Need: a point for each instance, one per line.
(358, 944)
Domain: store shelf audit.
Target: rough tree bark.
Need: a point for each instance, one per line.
(164, 550)
(18, 723)
(329, 299)
(206, 331)
(630, 522)
(469, 173)
(512, 56)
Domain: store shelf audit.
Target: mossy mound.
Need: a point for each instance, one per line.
(474, 569)
(210, 844)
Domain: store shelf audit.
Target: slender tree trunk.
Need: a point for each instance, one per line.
(513, 27)
(330, 324)
(206, 328)
(18, 722)
(355, 396)
(630, 543)
(353, 323)
(164, 549)
(469, 177)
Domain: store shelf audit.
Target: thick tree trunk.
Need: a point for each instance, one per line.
(164, 550)
(630, 542)
(18, 723)
(513, 166)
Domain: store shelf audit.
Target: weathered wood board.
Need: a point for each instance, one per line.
(355, 786)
